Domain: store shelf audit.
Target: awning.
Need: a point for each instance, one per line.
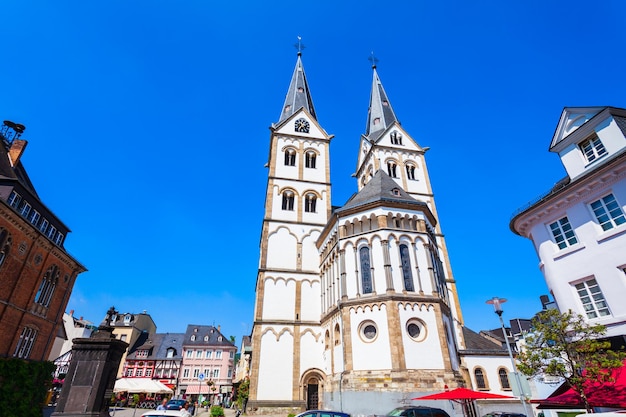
(197, 389)
(146, 385)
(608, 394)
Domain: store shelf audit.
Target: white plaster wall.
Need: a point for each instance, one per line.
(310, 255)
(312, 347)
(310, 301)
(378, 263)
(351, 283)
(425, 354)
(373, 355)
(275, 366)
(282, 170)
(277, 199)
(490, 366)
(338, 358)
(281, 249)
(598, 254)
(317, 174)
(611, 137)
(279, 298)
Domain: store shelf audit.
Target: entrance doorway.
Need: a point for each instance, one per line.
(312, 396)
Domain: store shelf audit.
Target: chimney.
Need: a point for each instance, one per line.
(17, 149)
(71, 313)
(219, 328)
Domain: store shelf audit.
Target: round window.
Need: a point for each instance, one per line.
(416, 329)
(368, 331)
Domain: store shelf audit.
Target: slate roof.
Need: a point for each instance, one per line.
(379, 108)
(213, 335)
(384, 189)
(164, 341)
(298, 94)
(477, 344)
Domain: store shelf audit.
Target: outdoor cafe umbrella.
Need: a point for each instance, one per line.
(463, 396)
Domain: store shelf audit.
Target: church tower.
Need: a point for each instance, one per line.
(355, 301)
(286, 336)
(390, 314)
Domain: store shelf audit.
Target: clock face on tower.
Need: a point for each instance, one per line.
(302, 125)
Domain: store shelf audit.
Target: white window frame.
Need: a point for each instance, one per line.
(608, 218)
(592, 148)
(14, 199)
(218, 354)
(592, 299)
(563, 233)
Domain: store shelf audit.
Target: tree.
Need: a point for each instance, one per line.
(565, 345)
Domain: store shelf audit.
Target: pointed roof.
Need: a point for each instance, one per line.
(380, 114)
(380, 188)
(298, 95)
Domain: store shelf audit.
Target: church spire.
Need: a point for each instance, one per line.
(380, 114)
(298, 95)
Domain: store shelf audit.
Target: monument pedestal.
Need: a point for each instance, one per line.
(89, 382)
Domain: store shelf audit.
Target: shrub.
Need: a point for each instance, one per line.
(217, 411)
(24, 387)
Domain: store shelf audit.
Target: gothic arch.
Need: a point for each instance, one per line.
(316, 336)
(278, 335)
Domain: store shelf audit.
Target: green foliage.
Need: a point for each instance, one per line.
(565, 345)
(217, 411)
(242, 393)
(24, 387)
(291, 415)
(135, 399)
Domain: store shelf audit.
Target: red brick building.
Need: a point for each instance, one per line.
(36, 272)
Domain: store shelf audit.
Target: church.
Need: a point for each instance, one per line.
(356, 305)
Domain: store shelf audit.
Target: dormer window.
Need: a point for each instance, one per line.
(592, 148)
(127, 319)
(206, 338)
(193, 337)
(170, 352)
(14, 200)
(395, 191)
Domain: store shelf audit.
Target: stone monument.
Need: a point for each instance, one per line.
(88, 386)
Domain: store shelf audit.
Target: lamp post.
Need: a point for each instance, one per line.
(497, 306)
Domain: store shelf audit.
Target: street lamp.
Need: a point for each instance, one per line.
(497, 306)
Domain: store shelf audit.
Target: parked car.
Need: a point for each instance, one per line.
(176, 404)
(161, 413)
(503, 414)
(323, 413)
(417, 411)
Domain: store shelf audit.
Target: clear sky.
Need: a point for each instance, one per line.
(148, 120)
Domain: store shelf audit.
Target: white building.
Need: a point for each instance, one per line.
(578, 228)
(356, 306)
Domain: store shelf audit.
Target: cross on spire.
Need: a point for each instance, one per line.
(373, 59)
(299, 46)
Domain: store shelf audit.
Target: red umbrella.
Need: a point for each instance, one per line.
(459, 394)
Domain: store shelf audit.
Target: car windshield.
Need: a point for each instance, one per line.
(396, 412)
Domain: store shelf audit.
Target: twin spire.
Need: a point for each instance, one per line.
(380, 114)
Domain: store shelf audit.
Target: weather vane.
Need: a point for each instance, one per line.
(299, 46)
(373, 60)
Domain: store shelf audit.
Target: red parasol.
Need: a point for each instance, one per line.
(460, 394)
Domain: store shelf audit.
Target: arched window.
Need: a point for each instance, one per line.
(47, 287)
(5, 245)
(337, 335)
(288, 198)
(366, 271)
(396, 138)
(410, 172)
(327, 340)
(310, 159)
(407, 274)
(391, 169)
(310, 202)
(504, 379)
(25, 343)
(290, 157)
(480, 379)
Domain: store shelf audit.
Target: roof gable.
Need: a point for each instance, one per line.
(288, 126)
(571, 119)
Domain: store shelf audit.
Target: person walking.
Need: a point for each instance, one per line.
(184, 412)
(163, 405)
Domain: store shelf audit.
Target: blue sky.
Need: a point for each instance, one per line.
(147, 124)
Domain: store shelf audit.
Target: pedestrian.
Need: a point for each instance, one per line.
(184, 412)
(163, 405)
